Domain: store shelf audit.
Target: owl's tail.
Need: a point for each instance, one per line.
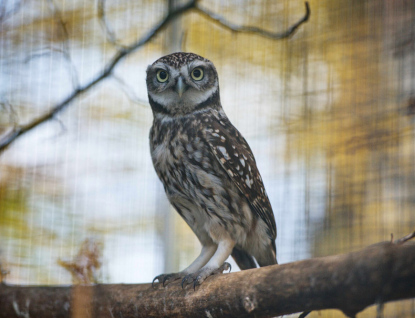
(243, 259)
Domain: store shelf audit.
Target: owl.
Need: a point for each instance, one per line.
(207, 169)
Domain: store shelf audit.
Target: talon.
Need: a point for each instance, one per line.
(166, 278)
(183, 281)
(225, 266)
(155, 278)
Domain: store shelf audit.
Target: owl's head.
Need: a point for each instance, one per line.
(181, 83)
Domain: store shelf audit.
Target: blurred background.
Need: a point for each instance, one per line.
(328, 113)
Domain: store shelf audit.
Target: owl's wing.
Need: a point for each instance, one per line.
(235, 156)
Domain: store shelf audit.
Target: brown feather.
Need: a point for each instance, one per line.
(235, 156)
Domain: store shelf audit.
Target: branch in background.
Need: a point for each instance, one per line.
(121, 54)
(128, 91)
(18, 131)
(13, 117)
(251, 29)
(350, 282)
(65, 47)
(109, 32)
(4, 13)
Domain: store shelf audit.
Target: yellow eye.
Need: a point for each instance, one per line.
(162, 76)
(197, 74)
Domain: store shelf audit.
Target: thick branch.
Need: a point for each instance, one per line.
(350, 282)
(20, 130)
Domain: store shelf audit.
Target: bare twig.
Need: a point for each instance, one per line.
(109, 32)
(128, 91)
(252, 29)
(47, 51)
(13, 117)
(5, 14)
(123, 51)
(107, 71)
(65, 46)
(405, 238)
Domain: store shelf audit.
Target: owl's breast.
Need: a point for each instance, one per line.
(174, 149)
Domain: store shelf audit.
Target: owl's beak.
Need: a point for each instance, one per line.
(180, 86)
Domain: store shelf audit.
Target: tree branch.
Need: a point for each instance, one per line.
(109, 32)
(5, 14)
(121, 54)
(252, 29)
(20, 130)
(350, 282)
(65, 47)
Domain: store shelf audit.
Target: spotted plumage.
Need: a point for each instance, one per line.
(207, 168)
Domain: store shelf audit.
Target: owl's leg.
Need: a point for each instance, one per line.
(204, 256)
(215, 265)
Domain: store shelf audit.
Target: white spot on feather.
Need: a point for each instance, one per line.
(248, 181)
(224, 152)
(242, 162)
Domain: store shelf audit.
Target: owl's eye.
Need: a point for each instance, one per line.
(197, 74)
(162, 76)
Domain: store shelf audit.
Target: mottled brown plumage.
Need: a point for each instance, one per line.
(207, 168)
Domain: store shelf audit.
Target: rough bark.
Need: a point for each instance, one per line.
(350, 282)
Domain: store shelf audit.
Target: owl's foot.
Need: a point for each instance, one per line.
(199, 277)
(166, 279)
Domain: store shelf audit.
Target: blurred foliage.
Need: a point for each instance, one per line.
(328, 113)
(84, 268)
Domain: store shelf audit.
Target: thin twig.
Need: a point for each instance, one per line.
(13, 117)
(405, 238)
(121, 54)
(123, 51)
(65, 46)
(5, 14)
(128, 91)
(252, 29)
(109, 32)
